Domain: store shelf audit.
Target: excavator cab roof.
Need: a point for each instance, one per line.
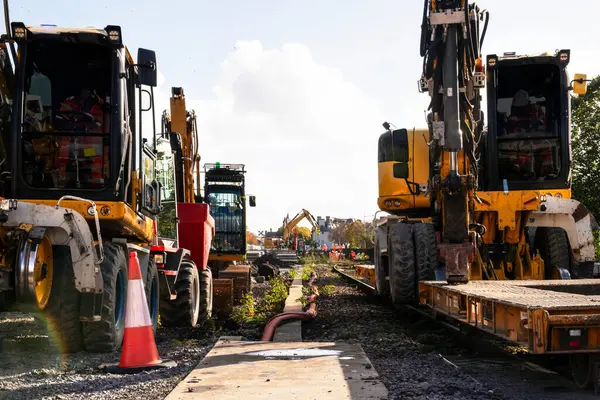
(111, 33)
(224, 167)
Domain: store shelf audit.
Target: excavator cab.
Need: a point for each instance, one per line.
(527, 144)
(78, 86)
(224, 191)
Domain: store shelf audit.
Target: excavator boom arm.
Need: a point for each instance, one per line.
(288, 226)
(183, 122)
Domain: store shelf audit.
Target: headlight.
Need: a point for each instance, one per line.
(159, 258)
(19, 32)
(397, 203)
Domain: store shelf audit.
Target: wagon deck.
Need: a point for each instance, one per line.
(553, 316)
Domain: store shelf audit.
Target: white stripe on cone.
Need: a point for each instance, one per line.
(137, 313)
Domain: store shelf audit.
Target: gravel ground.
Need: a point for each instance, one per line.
(417, 358)
(412, 355)
(33, 368)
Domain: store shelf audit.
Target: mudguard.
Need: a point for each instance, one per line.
(574, 218)
(62, 226)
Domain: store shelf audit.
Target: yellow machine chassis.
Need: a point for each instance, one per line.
(119, 214)
(226, 257)
(503, 213)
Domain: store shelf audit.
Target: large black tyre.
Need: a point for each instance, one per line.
(152, 289)
(106, 335)
(269, 271)
(382, 285)
(402, 264)
(184, 310)
(62, 311)
(5, 301)
(426, 257)
(554, 249)
(206, 295)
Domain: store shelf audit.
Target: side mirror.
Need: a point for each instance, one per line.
(146, 62)
(580, 84)
(400, 170)
(252, 201)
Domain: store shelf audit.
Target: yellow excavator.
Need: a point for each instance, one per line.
(466, 201)
(287, 229)
(81, 189)
(289, 225)
(224, 188)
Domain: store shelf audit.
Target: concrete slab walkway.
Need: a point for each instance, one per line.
(236, 369)
(286, 368)
(291, 331)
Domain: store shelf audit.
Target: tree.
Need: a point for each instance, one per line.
(338, 234)
(586, 151)
(303, 232)
(354, 233)
(251, 238)
(368, 235)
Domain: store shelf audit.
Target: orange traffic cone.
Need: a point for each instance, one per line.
(139, 352)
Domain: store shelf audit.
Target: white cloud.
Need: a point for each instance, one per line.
(307, 136)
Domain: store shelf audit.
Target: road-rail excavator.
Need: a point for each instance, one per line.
(225, 197)
(80, 189)
(481, 226)
(473, 202)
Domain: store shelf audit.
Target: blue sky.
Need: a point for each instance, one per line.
(297, 90)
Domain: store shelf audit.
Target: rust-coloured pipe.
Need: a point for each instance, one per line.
(309, 314)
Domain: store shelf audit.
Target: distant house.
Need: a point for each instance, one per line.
(325, 226)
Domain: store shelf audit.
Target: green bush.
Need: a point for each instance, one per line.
(313, 259)
(253, 311)
(244, 312)
(276, 294)
(307, 270)
(326, 290)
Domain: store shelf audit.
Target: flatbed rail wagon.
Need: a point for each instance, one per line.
(543, 316)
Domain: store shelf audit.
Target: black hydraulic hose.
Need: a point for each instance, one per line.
(471, 39)
(424, 30)
(7, 18)
(485, 26)
(475, 28)
(468, 26)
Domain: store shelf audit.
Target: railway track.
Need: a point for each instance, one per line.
(490, 354)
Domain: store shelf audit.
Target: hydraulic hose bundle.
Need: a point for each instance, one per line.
(435, 48)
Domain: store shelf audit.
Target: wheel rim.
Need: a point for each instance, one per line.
(195, 294)
(42, 273)
(119, 299)
(210, 296)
